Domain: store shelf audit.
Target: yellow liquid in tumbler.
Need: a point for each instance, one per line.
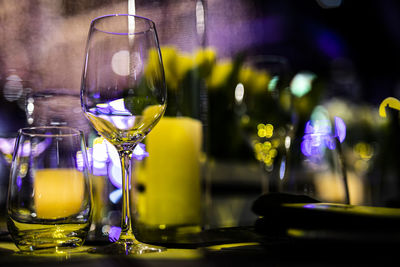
(39, 236)
(123, 129)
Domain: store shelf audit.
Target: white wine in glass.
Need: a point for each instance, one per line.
(123, 95)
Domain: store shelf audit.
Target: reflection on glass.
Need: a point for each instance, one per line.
(322, 172)
(318, 136)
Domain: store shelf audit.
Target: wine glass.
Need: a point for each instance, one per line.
(318, 162)
(123, 95)
(299, 153)
(266, 116)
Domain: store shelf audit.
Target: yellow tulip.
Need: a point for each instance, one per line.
(219, 74)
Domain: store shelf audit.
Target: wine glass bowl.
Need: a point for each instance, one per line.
(123, 95)
(298, 153)
(266, 111)
(123, 88)
(321, 171)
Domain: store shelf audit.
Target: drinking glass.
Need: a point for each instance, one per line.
(49, 197)
(47, 107)
(266, 116)
(318, 164)
(123, 95)
(299, 153)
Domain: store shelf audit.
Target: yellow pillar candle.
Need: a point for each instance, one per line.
(58, 193)
(171, 174)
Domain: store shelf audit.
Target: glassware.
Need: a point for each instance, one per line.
(12, 117)
(265, 108)
(296, 140)
(49, 197)
(47, 106)
(123, 95)
(318, 165)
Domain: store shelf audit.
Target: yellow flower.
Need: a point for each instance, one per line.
(245, 76)
(184, 62)
(261, 80)
(255, 81)
(205, 56)
(169, 55)
(204, 60)
(153, 63)
(219, 74)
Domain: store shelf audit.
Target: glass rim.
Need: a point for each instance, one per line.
(152, 25)
(53, 92)
(34, 131)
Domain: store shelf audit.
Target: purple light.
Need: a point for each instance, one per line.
(340, 129)
(79, 161)
(115, 174)
(140, 152)
(282, 168)
(306, 146)
(330, 44)
(272, 27)
(114, 233)
(309, 129)
(330, 142)
(7, 147)
(318, 136)
(115, 196)
(104, 160)
(114, 165)
(19, 183)
(115, 107)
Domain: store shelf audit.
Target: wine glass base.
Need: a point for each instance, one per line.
(127, 248)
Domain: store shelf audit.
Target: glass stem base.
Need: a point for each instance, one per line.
(127, 247)
(127, 244)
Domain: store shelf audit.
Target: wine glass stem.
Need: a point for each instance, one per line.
(344, 171)
(126, 220)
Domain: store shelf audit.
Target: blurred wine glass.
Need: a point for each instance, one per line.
(298, 153)
(319, 167)
(13, 87)
(55, 107)
(263, 103)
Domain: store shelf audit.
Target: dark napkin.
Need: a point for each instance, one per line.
(272, 220)
(265, 203)
(281, 212)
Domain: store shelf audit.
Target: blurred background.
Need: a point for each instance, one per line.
(263, 78)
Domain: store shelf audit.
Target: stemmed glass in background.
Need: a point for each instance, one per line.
(318, 164)
(123, 95)
(267, 111)
(295, 139)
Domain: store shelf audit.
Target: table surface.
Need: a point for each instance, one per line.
(264, 251)
(295, 237)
